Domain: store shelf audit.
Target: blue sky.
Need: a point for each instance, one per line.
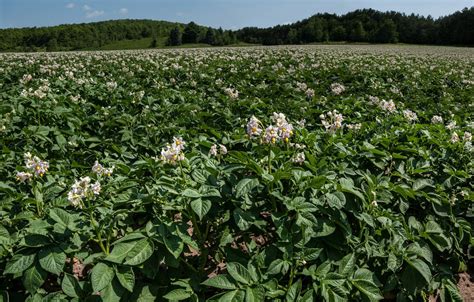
(230, 14)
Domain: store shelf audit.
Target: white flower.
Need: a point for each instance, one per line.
(436, 119)
(222, 149)
(302, 123)
(467, 136)
(35, 164)
(337, 88)
(23, 176)
(100, 170)
(410, 115)
(354, 127)
(97, 168)
(271, 135)
(451, 125)
(173, 153)
(454, 138)
(279, 119)
(388, 106)
(332, 120)
(309, 93)
(299, 158)
(82, 189)
(232, 93)
(213, 150)
(253, 127)
(96, 188)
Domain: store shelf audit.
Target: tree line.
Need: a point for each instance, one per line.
(193, 33)
(366, 25)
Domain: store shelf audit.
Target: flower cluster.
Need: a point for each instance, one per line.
(216, 152)
(388, 106)
(83, 189)
(299, 158)
(34, 165)
(332, 120)
(354, 127)
(173, 153)
(436, 119)
(337, 88)
(281, 131)
(232, 93)
(451, 125)
(410, 115)
(98, 169)
(304, 88)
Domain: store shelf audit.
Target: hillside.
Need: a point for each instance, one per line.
(365, 25)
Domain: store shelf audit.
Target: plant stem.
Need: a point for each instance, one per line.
(99, 236)
(269, 159)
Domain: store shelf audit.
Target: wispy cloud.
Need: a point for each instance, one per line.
(70, 5)
(123, 11)
(94, 14)
(87, 7)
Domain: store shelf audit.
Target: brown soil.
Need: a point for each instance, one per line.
(466, 287)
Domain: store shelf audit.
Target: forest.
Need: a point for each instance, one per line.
(365, 25)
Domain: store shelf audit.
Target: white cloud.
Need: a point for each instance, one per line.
(70, 5)
(94, 14)
(87, 7)
(123, 11)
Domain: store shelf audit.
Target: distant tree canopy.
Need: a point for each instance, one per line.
(368, 25)
(175, 37)
(193, 33)
(365, 25)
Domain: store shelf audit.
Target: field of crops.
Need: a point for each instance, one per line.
(316, 173)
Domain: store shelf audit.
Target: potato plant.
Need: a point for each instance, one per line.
(312, 173)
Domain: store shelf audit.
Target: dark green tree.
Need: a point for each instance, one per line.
(191, 33)
(210, 37)
(358, 33)
(174, 38)
(387, 33)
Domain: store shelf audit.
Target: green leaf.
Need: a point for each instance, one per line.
(255, 294)
(178, 295)
(420, 184)
(346, 267)
(120, 251)
(60, 216)
(245, 186)
(52, 259)
(71, 286)
(336, 200)
(347, 185)
(101, 276)
(453, 291)
(421, 267)
(220, 281)
(142, 250)
(33, 278)
(113, 292)
(173, 243)
(233, 296)
(126, 277)
(239, 273)
(191, 193)
(363, 280)
(19, 263)
(201, 207)
(294, 291)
